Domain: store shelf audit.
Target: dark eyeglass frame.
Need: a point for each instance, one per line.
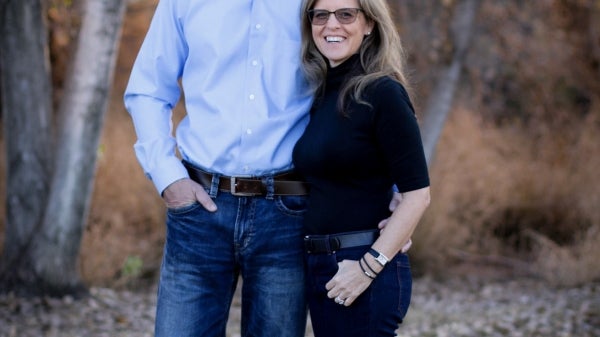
(338, 15)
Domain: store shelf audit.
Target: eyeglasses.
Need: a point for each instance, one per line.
(345, 16)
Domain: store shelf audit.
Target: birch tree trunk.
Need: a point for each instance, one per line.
(47, 262)
(424, 23)
(441, 98)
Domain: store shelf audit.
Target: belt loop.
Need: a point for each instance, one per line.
(328, 245)
(334, 244)
(308, 244)
(269, 183)
(214, 186)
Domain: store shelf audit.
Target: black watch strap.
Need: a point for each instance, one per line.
(380, 258)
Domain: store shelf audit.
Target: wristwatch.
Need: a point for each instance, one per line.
(380, 258)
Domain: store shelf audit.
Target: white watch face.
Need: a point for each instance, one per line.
(381, 260)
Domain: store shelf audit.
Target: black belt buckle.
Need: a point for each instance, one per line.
(316, 244)
(309, 244)
(325, 244)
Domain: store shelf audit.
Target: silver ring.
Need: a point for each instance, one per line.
(339, 301)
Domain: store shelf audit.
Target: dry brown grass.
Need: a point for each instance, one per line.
(515, 182)
(512, 200)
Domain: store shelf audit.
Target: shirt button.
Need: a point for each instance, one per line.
(251, 97)
(258, 26)
(249, 131)
(255, 63)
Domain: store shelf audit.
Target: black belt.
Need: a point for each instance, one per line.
(331, 243)
(283, 184)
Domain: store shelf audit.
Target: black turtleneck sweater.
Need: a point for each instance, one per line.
(352, 162)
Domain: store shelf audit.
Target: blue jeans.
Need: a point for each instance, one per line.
(376, 312)
(256, 238)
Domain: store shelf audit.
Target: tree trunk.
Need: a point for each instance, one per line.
(442, 96)
(26, 118)
(50, 261)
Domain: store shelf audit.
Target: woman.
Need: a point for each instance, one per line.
(362, 139)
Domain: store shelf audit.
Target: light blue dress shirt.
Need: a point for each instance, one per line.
(246, 100)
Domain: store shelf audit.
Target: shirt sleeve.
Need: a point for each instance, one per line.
(399, 137)
(152, 92)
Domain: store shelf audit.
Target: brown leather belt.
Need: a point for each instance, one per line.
(283, 184)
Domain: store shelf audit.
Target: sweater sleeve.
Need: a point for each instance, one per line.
(398, 136)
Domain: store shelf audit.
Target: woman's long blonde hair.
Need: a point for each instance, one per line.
(381, 53)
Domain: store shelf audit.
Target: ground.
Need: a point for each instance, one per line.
(457, 307)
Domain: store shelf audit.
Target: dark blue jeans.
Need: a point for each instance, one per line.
(204, 254)
(376, 312)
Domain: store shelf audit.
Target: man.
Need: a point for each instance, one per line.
(234, 209)
(246, 104)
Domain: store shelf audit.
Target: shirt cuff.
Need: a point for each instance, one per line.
(167, 173)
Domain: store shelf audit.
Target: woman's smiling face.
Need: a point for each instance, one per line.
(338, 41)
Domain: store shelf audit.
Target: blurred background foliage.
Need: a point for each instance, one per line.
(515, 180)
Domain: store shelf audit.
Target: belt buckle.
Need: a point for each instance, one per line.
(233, 189)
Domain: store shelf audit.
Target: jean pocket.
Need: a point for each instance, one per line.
(404, 275)
(292, 205)
(321, 268)
(182, 210)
